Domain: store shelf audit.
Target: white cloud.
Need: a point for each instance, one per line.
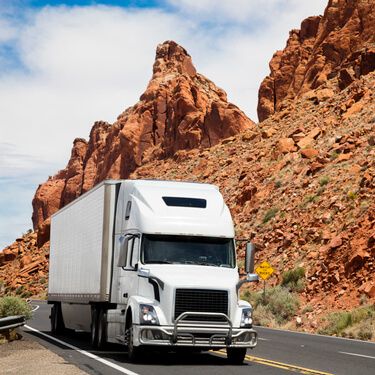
(70, 66)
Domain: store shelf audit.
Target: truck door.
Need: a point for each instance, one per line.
(128, 275)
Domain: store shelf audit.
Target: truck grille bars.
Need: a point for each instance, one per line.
(201, 300)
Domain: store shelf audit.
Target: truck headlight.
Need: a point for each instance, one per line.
(246, 318)
(147, 315)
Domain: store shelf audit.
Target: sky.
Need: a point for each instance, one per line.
(66, 64)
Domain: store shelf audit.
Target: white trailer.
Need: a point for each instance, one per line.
(150, 263)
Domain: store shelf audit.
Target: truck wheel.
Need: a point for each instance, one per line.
(102, 329)
(134, 352)
(236, 356)
(57, 322)
(94, 328)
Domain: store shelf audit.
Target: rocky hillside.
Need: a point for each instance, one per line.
(24, 267)
(180, 110)
(340, 44)
(300, 184)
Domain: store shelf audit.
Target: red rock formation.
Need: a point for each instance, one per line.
(180, 110)
(338, 44)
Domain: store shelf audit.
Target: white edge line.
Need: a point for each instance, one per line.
(84, 352)
(263, 339)
(358, 355)
(315, 334)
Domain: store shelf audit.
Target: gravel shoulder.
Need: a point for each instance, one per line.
(24, 357)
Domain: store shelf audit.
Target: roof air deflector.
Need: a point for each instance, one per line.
(185, 202)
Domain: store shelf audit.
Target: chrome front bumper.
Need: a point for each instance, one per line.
(198, 333)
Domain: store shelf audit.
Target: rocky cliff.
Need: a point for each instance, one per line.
(340, 44)
(180, 110)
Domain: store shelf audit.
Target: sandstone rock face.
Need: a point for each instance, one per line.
(24, 267)
(180, 110)
(338, 44)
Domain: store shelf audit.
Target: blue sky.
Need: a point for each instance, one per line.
(66, 64)
(124, 3)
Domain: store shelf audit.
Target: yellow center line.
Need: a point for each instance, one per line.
(284, 366)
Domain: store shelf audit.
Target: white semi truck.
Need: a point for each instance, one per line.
(148, 263)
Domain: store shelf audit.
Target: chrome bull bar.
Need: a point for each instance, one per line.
(203, 333)
(180, 318)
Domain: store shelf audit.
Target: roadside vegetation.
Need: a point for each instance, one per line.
(358, 323)
(275, 309)
(280, 304)
(11, 305)
(294, 279)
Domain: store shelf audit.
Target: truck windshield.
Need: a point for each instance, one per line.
(205, 251)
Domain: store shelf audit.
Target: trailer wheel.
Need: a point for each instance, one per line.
(102, 329)
(94, 327)
(236, 356)
(57, 322)
(134, 352)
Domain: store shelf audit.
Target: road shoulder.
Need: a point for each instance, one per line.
(25, 356)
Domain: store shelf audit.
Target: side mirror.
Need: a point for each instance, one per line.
(123, 255)
(249, 259)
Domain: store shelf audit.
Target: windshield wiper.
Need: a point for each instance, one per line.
(158, 262)
(207, 264)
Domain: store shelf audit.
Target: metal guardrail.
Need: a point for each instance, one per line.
(11, 322)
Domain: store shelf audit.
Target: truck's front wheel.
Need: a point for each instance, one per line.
(134, 352)
(236, 356)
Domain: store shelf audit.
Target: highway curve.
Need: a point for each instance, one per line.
(278, 352)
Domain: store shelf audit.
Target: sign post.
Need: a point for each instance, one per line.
(264, 270)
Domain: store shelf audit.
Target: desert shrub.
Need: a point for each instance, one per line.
(270, 214)
(278, 306)
(358, 323)
(11, 305)
(324, 181)
(352, 195)
(307, 308)
(262, 316)
(310, 198)
(282, 303)
(336, 323)
(294, 279)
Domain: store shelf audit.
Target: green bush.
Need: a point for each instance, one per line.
(10, 305)
(282, 304)
(279, 305)
(294, 279)
(358, 323)
(337, 322)
(271, 213)
(324, 181)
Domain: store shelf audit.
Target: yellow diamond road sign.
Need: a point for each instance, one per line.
(264, 270)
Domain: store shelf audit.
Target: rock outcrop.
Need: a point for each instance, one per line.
(24, 267)
(180, 110)
(340, 44)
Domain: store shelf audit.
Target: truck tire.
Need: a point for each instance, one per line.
(236, 356)
(102, 329)
(134, 352)
(94, 327)
(57, 322)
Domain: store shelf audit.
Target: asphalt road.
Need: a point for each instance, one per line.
(278, 352)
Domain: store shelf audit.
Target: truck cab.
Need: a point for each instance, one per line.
(177, 275)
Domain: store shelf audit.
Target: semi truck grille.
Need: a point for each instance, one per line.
(201, 300)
